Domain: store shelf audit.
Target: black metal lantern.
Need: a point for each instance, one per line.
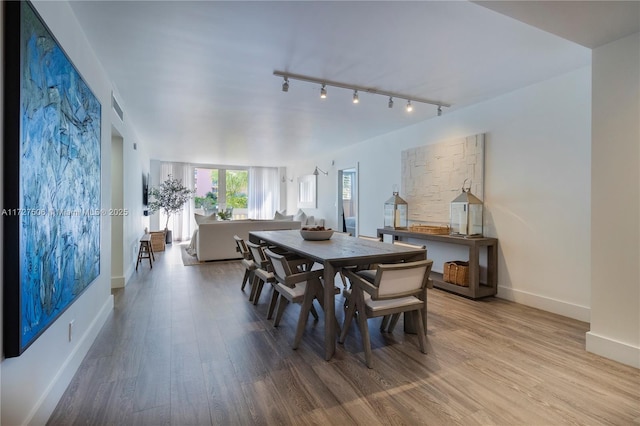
(396, 212)
(466, 214)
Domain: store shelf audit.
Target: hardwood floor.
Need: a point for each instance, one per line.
(184, 346)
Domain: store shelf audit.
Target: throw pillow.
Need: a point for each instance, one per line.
(311, 220)
(282, 216)
(301, 217)
(200, 218)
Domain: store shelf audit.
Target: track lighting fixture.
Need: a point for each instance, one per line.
(317, 171)
(356, 88)
(409, 106)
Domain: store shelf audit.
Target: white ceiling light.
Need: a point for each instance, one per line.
(355, 97)
(409, 106)
(323, 92)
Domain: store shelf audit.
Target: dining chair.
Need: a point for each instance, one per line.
(262, 273)
(295, 286)
(389, 323)
(247, 260)
(396, 288)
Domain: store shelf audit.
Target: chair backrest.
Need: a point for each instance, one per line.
(281, 268)
(257, 252)
(242, 247)
(402, 279)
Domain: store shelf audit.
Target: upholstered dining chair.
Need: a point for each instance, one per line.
(294, 286)
(396, 288)
(262, 273)
(389, 322)
(247, 261)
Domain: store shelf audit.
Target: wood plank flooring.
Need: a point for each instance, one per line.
(183, 346)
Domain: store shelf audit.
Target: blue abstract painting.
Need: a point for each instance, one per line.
(60, 211)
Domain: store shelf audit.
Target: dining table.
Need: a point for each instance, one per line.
(340, 251)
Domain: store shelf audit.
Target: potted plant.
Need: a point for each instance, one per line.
(169, 197)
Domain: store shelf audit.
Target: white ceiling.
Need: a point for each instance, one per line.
(196, 78)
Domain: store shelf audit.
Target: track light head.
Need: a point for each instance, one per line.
(323, 92)
(285, 85)
(439, 110)
(390, 102)
(355, 97)
(409, 106)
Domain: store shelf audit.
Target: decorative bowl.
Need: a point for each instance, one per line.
(316, 235)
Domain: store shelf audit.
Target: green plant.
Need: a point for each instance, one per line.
(169, 197)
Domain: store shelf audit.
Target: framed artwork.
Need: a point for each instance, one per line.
(307, 191)
(51, 210)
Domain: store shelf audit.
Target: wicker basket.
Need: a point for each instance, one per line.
(157, 240)
(457, 272)
(427, 229)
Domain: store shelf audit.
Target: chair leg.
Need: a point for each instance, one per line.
(282, 303)
(245, 279)
(385, 322)
(258, 292)
(394, 321)
(366, 338)
(254, 286)
(314, 313)
(348, 317)
(421, 331)
(423, 313)
(307, 304)
(272, 303)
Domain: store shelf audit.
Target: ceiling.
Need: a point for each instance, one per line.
(195, 79)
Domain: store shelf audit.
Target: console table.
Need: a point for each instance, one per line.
(476, 289)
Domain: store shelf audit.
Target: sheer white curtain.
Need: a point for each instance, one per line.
(181, 224)
(264, 192)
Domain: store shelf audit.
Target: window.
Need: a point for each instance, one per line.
(219, 189)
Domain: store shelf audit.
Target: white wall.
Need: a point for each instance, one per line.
(32, 384)
(135, 163)
(615, 257)
(537, 186)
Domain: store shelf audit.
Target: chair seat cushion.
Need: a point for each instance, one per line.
(402, 302)
(292, 294)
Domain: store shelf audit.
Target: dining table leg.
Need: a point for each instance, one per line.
(329, 311)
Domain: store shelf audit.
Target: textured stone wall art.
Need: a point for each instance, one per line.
(432, 176)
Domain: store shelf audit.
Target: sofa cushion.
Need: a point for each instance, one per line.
(282, 216)
(301, 217)
(200, 218)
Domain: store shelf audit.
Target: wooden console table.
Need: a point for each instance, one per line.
(476, 289)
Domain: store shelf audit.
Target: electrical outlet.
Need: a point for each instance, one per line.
(71, 329)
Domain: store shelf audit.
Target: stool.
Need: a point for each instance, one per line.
(145, 251)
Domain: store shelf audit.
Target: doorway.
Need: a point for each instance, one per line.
(117, 202)
(348, 200)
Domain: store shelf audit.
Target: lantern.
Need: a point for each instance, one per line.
(395, 212)
(466, 214)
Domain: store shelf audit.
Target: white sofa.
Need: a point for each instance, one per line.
(214, 240)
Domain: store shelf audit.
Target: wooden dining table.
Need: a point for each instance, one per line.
(340, 251)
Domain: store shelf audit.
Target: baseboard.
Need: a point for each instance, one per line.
(50, 397)
(580, 313)
(612, 349)
(117, 282)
